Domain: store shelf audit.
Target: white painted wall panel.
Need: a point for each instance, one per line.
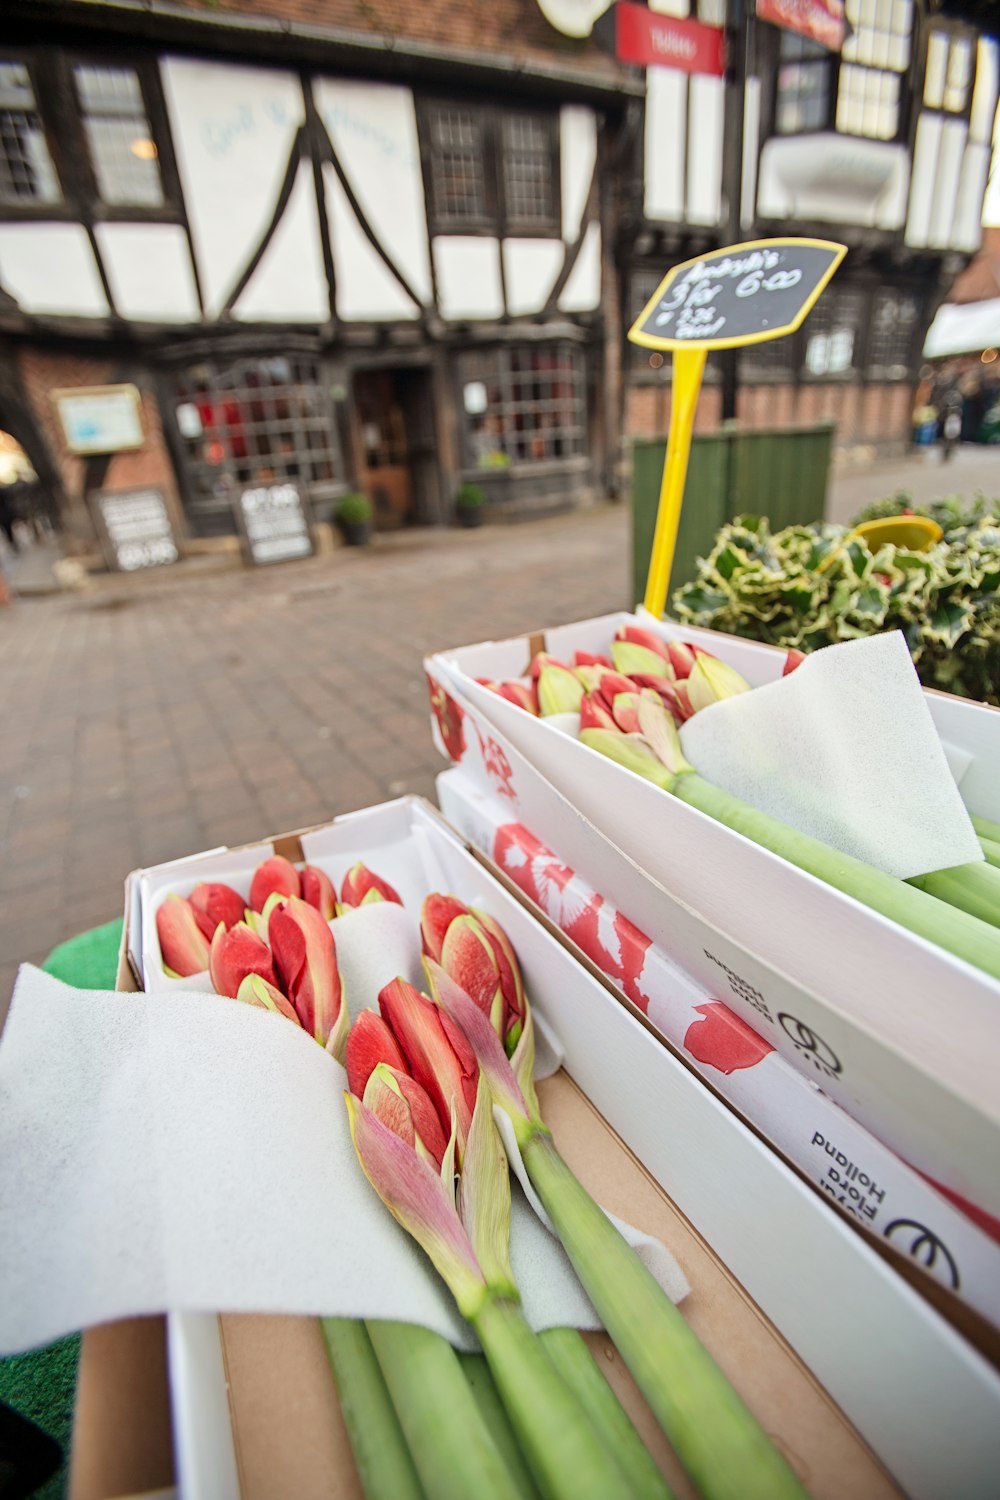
(751, 148)
(530, 268)
(149, 268)
(967, 232)
(366, 288)
(373, 128)
(50, 268)
(665, 144)
(926, 146)
(953, 137)
(705, 150)
(233, 129)
(468, 277)
(984, 96)
(578, 153)
(582, 291)
(289, 285)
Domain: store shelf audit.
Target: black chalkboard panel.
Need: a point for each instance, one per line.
(273, 523)
(135, 529)
(740, 295)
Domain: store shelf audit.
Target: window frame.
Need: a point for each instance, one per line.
(497, 222)
(834, 63)
(472, 364)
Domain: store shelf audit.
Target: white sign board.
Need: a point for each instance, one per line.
(137, 529)
(100, 418)
(273, 520)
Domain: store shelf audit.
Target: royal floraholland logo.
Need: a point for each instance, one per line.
(924, 1246)
(811, 1046)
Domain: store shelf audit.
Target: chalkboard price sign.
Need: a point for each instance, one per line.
(743, 294)
(273, 521)
(136, 529)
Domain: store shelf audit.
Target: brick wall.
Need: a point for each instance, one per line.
(43, 372)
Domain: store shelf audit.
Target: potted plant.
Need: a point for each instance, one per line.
(354, 516)
(470, 504)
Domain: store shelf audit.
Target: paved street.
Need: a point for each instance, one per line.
(157, 715)
(153, 716)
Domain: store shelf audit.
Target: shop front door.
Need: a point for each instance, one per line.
(392, 415)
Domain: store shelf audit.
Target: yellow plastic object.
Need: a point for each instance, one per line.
(915, 533)
(689, 367)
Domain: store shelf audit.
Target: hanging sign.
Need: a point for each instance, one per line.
(273, 523)
(100, 418)
(822, 21)
(648, 39)
(742, 294)
(136, 529)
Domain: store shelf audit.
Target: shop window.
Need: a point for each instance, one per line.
(804, 86)
(832, 334)
(26, 171)
(256, 422)
(491, 171)
(893, 327)
(523, 404)
(119, 137)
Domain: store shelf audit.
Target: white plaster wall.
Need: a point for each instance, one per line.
(704, 205)
(578, 153)
(149, 268)
(967, 231)
(373, 128)
(954, 134)
(926, 146)
(582, 291)
(289, 285)
(834, 178)
(50, 268)
(530, 268)
(665, 144)
(233, 129)
(366, 288)
(468, 277)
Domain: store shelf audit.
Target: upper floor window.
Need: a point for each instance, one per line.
(491, 171)
(26, 171)
(804, 85)
(118, 133)
(892, 330)
(950, 72)
(875, 56)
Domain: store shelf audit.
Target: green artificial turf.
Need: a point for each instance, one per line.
(41, 1385)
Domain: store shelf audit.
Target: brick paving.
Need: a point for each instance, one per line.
(155, 716)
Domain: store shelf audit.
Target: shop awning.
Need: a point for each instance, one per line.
(963, 329)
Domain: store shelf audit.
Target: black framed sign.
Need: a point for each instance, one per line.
(136, 529)
(273, 523)
(742, 294)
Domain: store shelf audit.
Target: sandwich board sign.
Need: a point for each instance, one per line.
(273, 523)
(741, 294)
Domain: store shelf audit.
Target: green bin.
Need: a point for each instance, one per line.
(780, 473)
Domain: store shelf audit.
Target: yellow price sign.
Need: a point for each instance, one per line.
(742, 294)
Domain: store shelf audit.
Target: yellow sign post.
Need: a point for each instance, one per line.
(743, 294)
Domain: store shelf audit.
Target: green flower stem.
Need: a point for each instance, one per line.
(383, 1460)
(487, 1398)
(452, 1450)
(719, 1442)
(973, 888)
(985, 828)
(956, 931)
(612, 1423)
(991, 850)
(568, 1460)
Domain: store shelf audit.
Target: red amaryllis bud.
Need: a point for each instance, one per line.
(636, 635)
(467, 955)
(235, 954)
(405, 1108)
(306, 957)
(183, 945)
(511, 984)
(542, 660)
(625, 713)
(317, 889)
(436, 916)
(593, 714)
(674, 695)
(212, 903)
(436, 1051)
(275, 874)
(792, 660)
(518, 693)
(610, 685)
(682, 658)
(588, 659)
(369, 1042)
(359, 882)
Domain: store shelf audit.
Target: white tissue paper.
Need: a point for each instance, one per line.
(180, 1151)
(844, 749)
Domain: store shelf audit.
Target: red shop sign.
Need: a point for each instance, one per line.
(822, 21)
(650, 40)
